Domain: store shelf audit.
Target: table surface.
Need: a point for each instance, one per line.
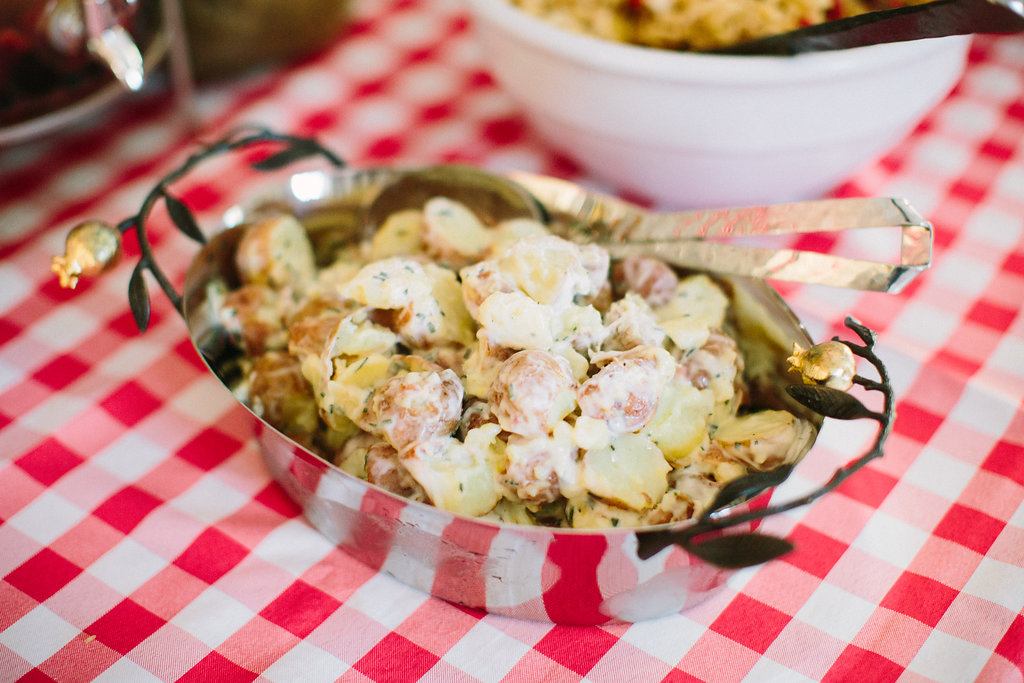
(142, 539)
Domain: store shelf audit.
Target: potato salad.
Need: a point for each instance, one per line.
(500, 371)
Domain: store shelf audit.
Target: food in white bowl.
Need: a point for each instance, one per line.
(501, 371)
(692, 24)
(688, 129)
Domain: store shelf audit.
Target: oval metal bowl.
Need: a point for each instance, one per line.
(571, 576)
(539, 573)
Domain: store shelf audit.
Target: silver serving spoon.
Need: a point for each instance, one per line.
(914, 22)
(690, 239)
(109, 42)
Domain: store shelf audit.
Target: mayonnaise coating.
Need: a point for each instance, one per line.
(502, 371)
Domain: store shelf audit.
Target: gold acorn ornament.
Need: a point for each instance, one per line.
(830, 363)
(90, 248)
(95, 246)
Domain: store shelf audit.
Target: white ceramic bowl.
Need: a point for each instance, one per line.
(697, 130)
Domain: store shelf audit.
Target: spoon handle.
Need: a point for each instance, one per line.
(695, 239)
(793, 265)
(913, 22)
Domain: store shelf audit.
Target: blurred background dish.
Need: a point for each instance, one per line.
(76, 107)
(228, 38)
(63, 60)
(697, 25)
(50, 80)
(687, 129)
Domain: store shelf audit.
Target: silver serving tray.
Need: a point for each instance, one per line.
(559, 575)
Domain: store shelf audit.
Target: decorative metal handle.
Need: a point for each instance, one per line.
(748, 549)
(95, 246)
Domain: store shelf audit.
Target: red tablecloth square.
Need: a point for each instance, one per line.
(396, 659)
(8, 331)
(574, 648)
(124, 324)
(275, 498)
(916, 423)
(61, 371)
(1012, 644)
(131, 403)
(43, 574)
(1014, 263)
(187, 350)
(919, 597)
(815, 552)
(750, 623)
(857, 664)
(211, 555)
(209, 449)
(125, 626)
(972, 528)
(127, 508)
(49, 461)
(870, 486)
(677, 676)
(1007, 459)
(216, 667)
(300, 609)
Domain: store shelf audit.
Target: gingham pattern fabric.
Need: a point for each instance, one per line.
(141, 537)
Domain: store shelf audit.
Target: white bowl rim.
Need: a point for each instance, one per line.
(721, 70)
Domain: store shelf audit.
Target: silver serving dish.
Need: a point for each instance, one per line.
(571, 576)
(539, 573)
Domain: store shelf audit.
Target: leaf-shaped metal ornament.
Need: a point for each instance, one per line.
(183, 219)
(650, 543)
(829, 402)
(734, 550)
(138, 297)
(866, 334)
(294, 149)
(749, 486)
(737, 551)
(297, 150)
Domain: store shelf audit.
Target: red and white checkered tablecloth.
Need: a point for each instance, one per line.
(141, 537)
